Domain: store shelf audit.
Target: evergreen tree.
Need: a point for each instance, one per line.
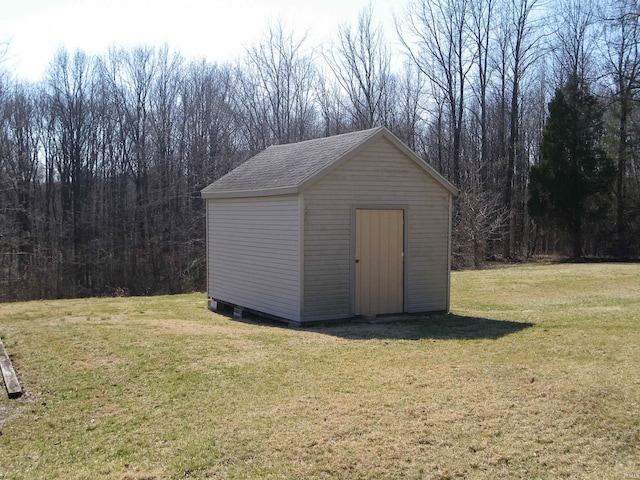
(573, 166)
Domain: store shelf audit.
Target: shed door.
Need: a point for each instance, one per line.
(379, 261)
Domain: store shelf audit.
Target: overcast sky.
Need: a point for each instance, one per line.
(218, 30)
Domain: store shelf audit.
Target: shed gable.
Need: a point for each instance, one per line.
(379, 176)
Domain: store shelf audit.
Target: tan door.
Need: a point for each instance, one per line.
(379, 261)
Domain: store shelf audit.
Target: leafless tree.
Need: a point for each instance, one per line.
(331, 106)
(478, 219)
(575, 39)
(72, 122)
(101, 162)
(621, 57)
(411, 91)
(521, 39)
(361, 66)
(277, 81)
(436, 36)
(482, 19)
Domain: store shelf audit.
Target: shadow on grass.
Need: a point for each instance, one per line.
(436, 327)
(442, 326)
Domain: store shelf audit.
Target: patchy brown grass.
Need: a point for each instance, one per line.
(536, 374)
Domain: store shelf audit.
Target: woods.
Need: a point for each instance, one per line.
(102, 161)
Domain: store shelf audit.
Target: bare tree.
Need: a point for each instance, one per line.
(622, 67)
(478, 219)
(409, 98)
(481, 24)
(435, 35)
(361, 66)
(575, 38)
(211, 126)
(70, 97)
(521, 39)
(277, 88)
(21, 272)
(102, 162)
(331, 107)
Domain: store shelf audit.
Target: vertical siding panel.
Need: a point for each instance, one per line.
(396, 273)
(377, 177)
(253, 252)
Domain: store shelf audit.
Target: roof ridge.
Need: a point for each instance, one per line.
(287, 168)
(332, 137)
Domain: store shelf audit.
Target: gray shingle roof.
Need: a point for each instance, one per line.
(283, 166)
(284, 169)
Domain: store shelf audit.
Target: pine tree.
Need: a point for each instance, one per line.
(574, 166)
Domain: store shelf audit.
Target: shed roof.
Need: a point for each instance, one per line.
(287, 169)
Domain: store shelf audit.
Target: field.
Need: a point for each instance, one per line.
(534, 375)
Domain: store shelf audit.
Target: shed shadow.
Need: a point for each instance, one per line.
(434, 327)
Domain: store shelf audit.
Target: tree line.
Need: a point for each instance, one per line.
(102, 161)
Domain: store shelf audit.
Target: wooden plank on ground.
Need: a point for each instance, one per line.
(9, 374)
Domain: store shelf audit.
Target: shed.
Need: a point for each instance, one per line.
(350, 225)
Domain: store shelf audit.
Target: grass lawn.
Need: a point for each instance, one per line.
(535, 374)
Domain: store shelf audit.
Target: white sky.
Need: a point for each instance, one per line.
(218, 30)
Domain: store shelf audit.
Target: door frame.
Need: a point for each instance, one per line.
(405, 247)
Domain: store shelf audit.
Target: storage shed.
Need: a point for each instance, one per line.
(331, 228)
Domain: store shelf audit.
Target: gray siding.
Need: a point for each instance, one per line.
(378, 176)
(253, 249)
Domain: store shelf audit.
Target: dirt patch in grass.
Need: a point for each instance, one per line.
(5, 412)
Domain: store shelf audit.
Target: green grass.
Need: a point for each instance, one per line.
(535, 374)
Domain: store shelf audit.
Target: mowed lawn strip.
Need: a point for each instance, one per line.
(535, 374)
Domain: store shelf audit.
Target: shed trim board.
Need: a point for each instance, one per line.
(207, 237)
(449, 255)
(268, 192)
(301, 251)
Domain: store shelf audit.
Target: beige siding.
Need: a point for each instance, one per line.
(377, 177)
(253, 249)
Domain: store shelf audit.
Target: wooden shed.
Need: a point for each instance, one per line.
(331, 228)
